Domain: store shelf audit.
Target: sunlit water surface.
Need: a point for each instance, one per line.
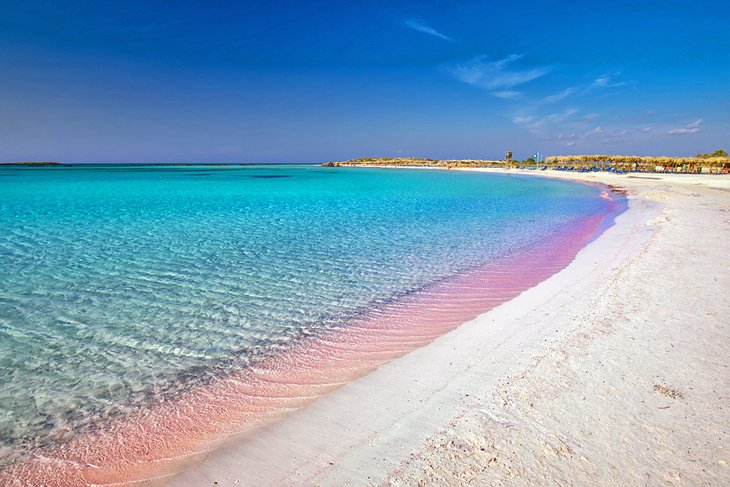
(121, 286)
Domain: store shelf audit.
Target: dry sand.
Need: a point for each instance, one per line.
(612, 372)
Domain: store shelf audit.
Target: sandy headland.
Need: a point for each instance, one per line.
(613, 371)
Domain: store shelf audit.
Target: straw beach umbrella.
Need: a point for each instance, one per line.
(641, 163)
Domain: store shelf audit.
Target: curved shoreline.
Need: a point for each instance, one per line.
(311, 445)
(154, 444)
(563, 385)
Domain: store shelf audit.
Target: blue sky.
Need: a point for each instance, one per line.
(285, 81)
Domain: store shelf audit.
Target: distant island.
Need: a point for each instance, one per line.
(135, 164)
(30, 163)
(713, 163)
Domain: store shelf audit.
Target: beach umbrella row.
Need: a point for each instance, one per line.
(643, 160)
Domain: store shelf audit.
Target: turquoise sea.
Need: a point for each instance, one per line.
(124, 285)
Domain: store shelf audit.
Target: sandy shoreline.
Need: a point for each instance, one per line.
(613, 371)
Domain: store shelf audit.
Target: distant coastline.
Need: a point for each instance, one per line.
(416, 162)
(702, 163)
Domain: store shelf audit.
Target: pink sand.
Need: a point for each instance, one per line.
(154, 444)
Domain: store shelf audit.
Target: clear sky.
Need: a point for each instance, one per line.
(298, 81)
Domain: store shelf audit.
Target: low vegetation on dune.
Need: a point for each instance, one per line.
(715, 162)
(415, 161)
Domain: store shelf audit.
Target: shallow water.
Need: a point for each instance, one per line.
(123, 286)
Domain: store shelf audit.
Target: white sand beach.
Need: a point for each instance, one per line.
(612, 372)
